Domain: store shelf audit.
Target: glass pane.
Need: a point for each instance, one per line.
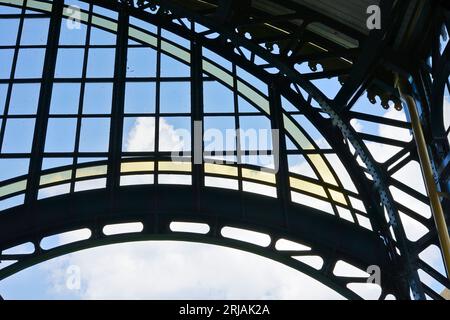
(175, 38)
(252, 80)
(6, 57)
(49, 163)
(65, 98)
(217, 97)
(245, 106)
(97, 98)
(219, 134)
(61, 135)
(175, 97)
(174, 134)
(140, 97)
(94, 135)
(312, 131)
(141, 62)
(9, 29)
(143, 25)
(256, 133)
(77, 3)
(69, 63)
(217, 59)
(24, 98)
(105, 12)
(299, 165)
(18, 136)
(11, 168)
(3, 91)
(102, 37)
(35, 32)
(171, 67)
(30, 63)
(72, 33)
(138, 134)
(101, 63)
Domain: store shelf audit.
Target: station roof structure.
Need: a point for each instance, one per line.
(94, 95)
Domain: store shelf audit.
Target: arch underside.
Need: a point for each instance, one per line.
(332, 238)
(157, 207)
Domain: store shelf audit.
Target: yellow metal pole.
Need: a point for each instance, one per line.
(436, 206)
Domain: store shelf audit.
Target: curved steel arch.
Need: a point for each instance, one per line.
(217, 208)
(337, 126)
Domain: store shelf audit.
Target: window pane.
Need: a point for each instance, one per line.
(175, 97)
(252, 80)
(171, 67)
(140, 97)
(24, 98)
(175, 134)
(141, 62)
(256, 133)
(35, 32)
(18, 136)
(77, 3)
(175, 38)
(97, 98)
(217, 59)
(101, 63)
(3, 91)
(102, 37)
(49, 163)
(72, 33)
(245, 106)
(9, 10)
(60, 135)
(9, 29)
(30, 63)
(105, 12)
(11, 168)
(69, 63)
(219, 133)
(65, 98)
(139, 134)
(94, 135)
(217, 97)
(299, 165)
(6, 57)
(143, 25)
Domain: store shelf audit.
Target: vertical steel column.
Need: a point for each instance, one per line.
(282, 174)
(197, 115)
(427, 171)
(76, 155)
(116, 129)
(42, 114)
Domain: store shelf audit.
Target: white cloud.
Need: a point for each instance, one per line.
(142, 136)
(177, 270)
(356, 125)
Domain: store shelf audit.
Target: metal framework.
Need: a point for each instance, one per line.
(256, 52)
